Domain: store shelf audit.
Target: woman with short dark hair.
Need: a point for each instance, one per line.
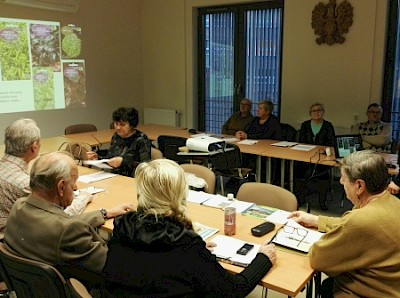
(129, 146)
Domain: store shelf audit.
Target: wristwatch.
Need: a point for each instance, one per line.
(103, 212)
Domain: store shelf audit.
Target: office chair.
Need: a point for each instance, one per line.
(202, 172)
(169, 146)
(77, 128)
(289, 133)
(229, 164)
(268, 195)
(29, 278)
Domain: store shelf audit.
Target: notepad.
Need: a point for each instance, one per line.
(95, 177)
(303, 147)
(226, 249)
(284, 144)
(248, 142)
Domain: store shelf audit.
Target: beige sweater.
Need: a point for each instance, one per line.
(361, 250)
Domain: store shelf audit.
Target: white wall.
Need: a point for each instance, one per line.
(112, 52)
(346, 78)
(143, 54)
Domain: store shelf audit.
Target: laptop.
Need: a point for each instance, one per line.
(347, 144)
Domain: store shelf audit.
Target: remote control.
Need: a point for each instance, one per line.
(262, 229)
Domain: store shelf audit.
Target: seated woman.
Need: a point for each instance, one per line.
(360, 250)
(316, 131)
(154, 251)
(129, 146)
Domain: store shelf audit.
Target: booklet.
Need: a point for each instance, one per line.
(204, 231)
(259, 211)
(295, 236)
(100, 163)
(303, 147)
(227, 250)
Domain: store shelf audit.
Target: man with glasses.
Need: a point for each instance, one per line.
(377, 135)
(239, 120)
(359, 250)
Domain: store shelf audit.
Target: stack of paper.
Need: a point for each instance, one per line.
(95, 177)
(284, 144)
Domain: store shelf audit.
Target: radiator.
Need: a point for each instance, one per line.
(161, 116)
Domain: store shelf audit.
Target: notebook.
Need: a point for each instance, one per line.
(347, 144)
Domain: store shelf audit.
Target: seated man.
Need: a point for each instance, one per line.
(376, 135)
(22, 144)
(240, 119)
(39, 229)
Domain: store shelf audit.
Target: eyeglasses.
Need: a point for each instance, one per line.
(299, 236)
(244, 104)
(317, 111)
(374, 112)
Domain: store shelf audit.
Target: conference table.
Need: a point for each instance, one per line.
(262, 148)
(290, 274)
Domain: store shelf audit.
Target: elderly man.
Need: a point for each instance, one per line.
(360, 250)
(376, 135)
(240, 119)
(39, 229)
(22, 144)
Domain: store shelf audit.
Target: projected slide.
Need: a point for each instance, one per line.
(41, 67)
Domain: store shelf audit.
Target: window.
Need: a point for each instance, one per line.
(239, 56)
(391, 90)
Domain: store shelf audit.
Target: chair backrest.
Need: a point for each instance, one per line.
(289, 133)
(169, 146)
(268, 195)
(156, 153)
(228, 161)
(202, 172)
(29, 278)
(77, 128)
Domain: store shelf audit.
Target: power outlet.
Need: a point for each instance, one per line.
(355, 117)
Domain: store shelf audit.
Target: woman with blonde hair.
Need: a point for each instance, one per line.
(155, 252)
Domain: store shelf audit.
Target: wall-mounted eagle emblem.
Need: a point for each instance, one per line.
(331, 21)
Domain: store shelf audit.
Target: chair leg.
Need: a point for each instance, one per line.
(221, 182)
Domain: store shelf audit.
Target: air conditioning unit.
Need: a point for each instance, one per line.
(58, 5)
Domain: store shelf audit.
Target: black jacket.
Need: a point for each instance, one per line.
(149, 258)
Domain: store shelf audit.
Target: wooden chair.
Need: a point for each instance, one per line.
(202, 172)
(29, 278)
(156, 153)
(77, 128)
(268, 195)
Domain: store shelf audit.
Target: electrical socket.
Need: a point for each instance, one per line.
(355, 117)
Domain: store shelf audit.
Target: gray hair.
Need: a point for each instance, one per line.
(48, 169)
(368, 166)
(267, 104)
(20, 135)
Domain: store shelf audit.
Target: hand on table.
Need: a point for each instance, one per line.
(241, 135)
(210, 246)
(269, 250)
(115, 162)
(90, 155)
